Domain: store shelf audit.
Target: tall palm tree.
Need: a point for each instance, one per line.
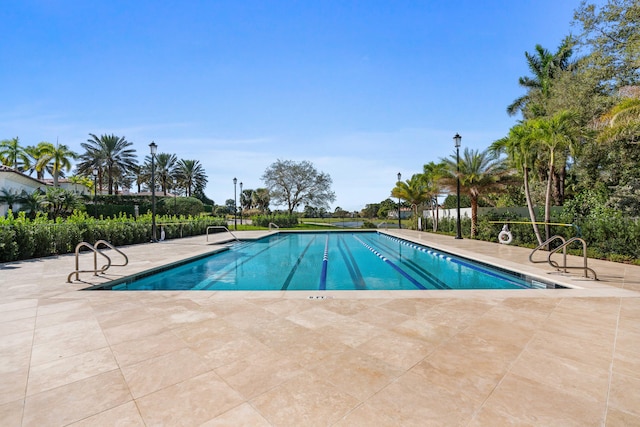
(556, 134)
(480, 172)
(522, 153)
(110, 154)
(433, 173)
(35, 154)
(12, 154)
(415, 191)
(165, 172)
(191, 175)
(261, 199)
(545, 67)
(58, 157)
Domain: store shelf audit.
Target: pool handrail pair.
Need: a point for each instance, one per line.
(564, 267)
(222, 227)
(96, 251)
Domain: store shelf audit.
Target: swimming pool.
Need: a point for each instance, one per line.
(329, 261)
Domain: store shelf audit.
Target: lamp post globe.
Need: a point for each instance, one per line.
(399, 223)
(457, 138)
(153, 147)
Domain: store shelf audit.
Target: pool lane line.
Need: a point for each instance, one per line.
(418, 269)
(208, 281)
(395, 267)
(460, 262)
(325, 262)
(287, 282)
(352, 265)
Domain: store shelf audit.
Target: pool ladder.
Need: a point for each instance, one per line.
(96, 251)
(220, 227)
(564, 267)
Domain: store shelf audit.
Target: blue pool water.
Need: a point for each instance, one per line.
(329, 261)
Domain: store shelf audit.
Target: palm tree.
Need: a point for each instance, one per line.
(480, 172)
(9, 197)
(165, 170)
(261, 199)
(35, 154)
(191, 175)
(32, 202)
(555, 134)
(12, 154)
(521, 152)
(622, 122)
(545, 67)
(432, 173)
(58, 157)
(415, 191)
(109, 154)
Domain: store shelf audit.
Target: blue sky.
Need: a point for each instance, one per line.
(362, 89)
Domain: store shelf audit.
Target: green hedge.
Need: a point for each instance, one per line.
(23, 238)
(614, 238)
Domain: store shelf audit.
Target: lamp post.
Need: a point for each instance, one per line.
(235, 207)
(153, 147)
(399, 223)
(175, 196)
(94, 172)
(241, 203)
(457, 140)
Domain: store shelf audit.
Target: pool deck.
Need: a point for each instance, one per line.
(565, 357)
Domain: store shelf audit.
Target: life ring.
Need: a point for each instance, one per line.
(505, 237)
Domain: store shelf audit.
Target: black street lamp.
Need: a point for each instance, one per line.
(241, 203)
(94, 172)
(175, 196)
(235, 206)
(457, 140)
(154, 147)
(399, 223)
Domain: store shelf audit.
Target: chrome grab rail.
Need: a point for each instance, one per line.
(272, 224)
(110, 246)
(95, 270)
(564, 267)
(220, 227)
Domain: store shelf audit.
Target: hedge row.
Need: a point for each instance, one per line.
(22, 238)
(613, 238)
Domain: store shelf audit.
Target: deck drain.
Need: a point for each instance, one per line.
(319, 297)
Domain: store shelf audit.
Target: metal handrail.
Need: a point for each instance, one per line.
(563, 247)
(220, 227)
(110, 246)
(95, 270)
(564, 254)
(272, 224)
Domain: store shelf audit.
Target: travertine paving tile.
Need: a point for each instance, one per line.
(396, 349)
(138, 350)
(259, 372)
(126, 415)
(191, 402)
(619, 418)
(11, 413)
(366, 415)
(413, 401)
(76, 401)
(624, 394)
(159, 372)
(356, 373)
(240, 416)
(133, 330)
(304, 400)
(527, 402)
(70, 369)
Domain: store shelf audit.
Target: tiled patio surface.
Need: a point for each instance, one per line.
(425, 358)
